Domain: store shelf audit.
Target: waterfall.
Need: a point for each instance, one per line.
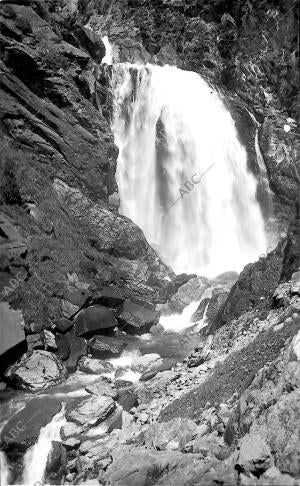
(182, 172)
(35, 459)
(180, 321)
(4, 470)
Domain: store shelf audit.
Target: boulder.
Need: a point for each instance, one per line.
(71, 348)
(69, 310)
(56, 462)
(77, 296)
(103, 386)
(109, 297)
(137, 318)
(23, 428)
(91, 411)
(36, 370)
(71, 443)
(123, 384)
(149, 373)
(146, 362)
(12, 335)
(172, 435)
(127, 400)
(93, 320)
(63, 324)
(189, 292)
(49, 340)
(94, 366)
(34, 341)
(254, 456)
(105, 346)
(70, 430)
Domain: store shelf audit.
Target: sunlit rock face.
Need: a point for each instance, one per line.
(182, 172)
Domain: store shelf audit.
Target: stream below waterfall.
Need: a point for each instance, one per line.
(183, 178)
(180, 337)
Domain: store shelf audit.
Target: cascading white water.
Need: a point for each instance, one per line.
(182, 172)
(180, 322)
(4, 470)
(35, 459)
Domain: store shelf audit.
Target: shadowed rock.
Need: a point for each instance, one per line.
(93, 320)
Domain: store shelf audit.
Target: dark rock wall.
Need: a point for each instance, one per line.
(57, 156)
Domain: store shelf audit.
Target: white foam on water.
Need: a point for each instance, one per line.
(182, 172)
(108, 58)
(178, 322)
(123, 363)
(35, 459)
(4, 470)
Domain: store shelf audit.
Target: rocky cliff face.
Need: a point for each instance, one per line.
(57, 168)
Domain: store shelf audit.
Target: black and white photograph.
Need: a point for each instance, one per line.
(149, 243)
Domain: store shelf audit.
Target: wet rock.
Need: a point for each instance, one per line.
(123, 384)
(23, 428)
(92, 411)
(71, 443)
(254, 456)
(137, 318)
(172, 435)
(105, 346)
(12, 333)
(94, 366)
(70, 430)
(94, 319)
(157, 329)
(56, 462)
(37, 370)
(146, 362)
(187, 293)
(151, 372)
(71, 348)
(127, 400)
(103, 386)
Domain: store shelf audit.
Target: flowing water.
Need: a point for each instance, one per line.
(183, 178)
(4, 470)
(35, 459)
(182, 172)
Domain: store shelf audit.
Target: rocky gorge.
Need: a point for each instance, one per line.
(90, 357)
